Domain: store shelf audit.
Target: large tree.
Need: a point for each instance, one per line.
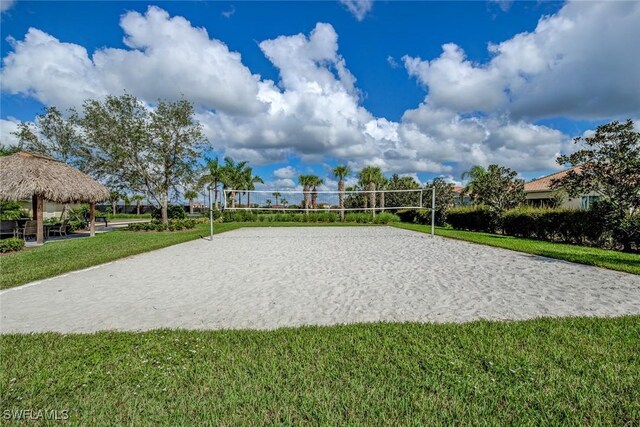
(51, 134)
(496, 187)
(150, 150)
(609, 164)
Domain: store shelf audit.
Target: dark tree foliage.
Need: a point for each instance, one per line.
(609, 164)
(496, 187)
(397, 182)
(7, 150)
(51, 134)
(444, 198)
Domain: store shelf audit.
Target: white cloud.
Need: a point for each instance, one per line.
(575, 64)
(167, 58)
(315, 110)
(392, 62)
(358, 8)
(285, 173)
(6, 129)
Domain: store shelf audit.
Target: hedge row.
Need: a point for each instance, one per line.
(174, 225)
(478, 218)
(365, 218)
(557, 225)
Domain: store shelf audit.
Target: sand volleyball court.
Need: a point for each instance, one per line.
(276, 277)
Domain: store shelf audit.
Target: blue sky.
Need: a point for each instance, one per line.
(420, 88)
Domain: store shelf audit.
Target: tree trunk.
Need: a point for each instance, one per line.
(314, 198)
(138, 208)
(248, 199)
(372, 198)
(92, 219)
(233, 199)
(165, 208)
(190, 206)
(381, 202)
(306, 199)
(113, 207)
(341, 198)
(215, 195)
(39, 217)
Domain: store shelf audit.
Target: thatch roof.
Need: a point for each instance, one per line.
(24, 174)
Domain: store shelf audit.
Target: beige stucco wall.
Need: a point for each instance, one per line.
(568, 202)
(51, 209)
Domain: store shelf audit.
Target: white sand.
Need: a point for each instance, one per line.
(272, 277)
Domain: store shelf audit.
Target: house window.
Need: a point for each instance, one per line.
(587, 201)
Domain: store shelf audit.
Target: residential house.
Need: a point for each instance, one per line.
(539, 193)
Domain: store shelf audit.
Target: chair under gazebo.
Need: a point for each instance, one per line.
(35, 177)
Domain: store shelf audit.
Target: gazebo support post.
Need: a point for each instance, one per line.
(39, 217)
(92, 219)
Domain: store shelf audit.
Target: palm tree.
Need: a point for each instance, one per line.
(314, 182)
(382, 185)
(474, 174)
(190, 195)
(212, 177)
(232, 177)
(305, 181)
(268, 203)
(138, 199)
(341, 172)
(276, 194)
(249, 181)
(284, 202)
(370, 176)
(126, 200)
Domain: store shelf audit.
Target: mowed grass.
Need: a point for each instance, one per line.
(613, 260)
(573, 371)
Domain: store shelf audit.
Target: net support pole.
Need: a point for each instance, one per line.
(210, 216)
(433, 211)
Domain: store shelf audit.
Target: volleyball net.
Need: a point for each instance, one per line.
(320, 201)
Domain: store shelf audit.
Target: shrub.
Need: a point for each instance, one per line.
(11, 245)
(385, 218)
(239, 216)
(474, 218)
(173, 212)
(12, 210)
(566, 225)
(417, 216)
(174, 225)
(358, 217)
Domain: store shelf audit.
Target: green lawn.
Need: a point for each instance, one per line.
(580, 371)
(613, 260)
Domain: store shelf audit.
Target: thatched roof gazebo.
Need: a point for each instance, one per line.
(25, 176)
